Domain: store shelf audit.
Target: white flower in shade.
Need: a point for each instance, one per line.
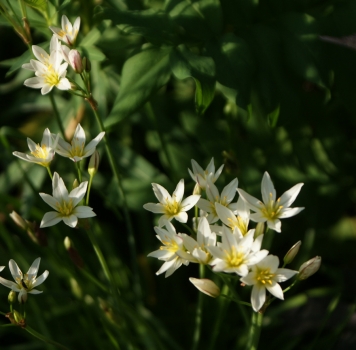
(40, 154)
(68, 33)
(240, 221)
(198, 250)
(65, 204)
(42, 55)
(227, 195)
(266, 275)
(271, 210)
(76, 150)
(237, 253)
(199, 175)
(25, 283)
(49, 71)
(171, 206)
(172, 243)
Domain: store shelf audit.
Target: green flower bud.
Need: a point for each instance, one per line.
(260, 229)
(12, 297)
(292, 252)
(75, 184)
(94, 163)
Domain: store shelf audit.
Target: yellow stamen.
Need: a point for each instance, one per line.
(65, 208)
(234, 258)
(265, 276)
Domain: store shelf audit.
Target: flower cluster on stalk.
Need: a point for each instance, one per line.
(239, 250)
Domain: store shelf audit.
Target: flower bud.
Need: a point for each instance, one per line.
(75, 61)
(292, 252)
(309, 268)
(73, 253)
(94, 163)
(260, 229)
(75, 184)
(18, 220)
(206, 286)
(12, 297)
(18, 318)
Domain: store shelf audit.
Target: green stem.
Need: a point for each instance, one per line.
(131, 238)
(268, 239)
(88, 191)
(198, 316)
(44, 339)
(49, 172)
(56, 114)
(79, 172)
(152, 116)
(255, 331)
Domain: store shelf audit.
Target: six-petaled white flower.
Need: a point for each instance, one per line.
(236, 253)
(199, 175)
(77, 150)
(65, 204)
(68, 33)
(266, 275)
(25, 283)
(225, 199)
(172, 243)
(49, 70)
(41, 154)
(271, 210)
(171, 206)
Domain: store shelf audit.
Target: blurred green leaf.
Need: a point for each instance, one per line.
(93, 53)
(185, 64)
(273, 117)
(142, 75)
(37, 4)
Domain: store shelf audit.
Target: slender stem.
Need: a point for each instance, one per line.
(131, 238)
(152, 116)
(79, 172)
(268, 239)
(88, 191)
(56, 114)
(255, 331)
(198, 315)
(44, 339)
(238, 301)
(49, 172)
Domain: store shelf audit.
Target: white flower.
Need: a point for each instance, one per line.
(236, 253)
(200, 176)
(198, 250)
(49, 69)
(271, 210)
(173, 243)
(65, 204)
(240, 221)
(265, 275)
(68, 33)
(227, 195)
(43, 154)
(171, 207)
(25, 283)
(77, 150)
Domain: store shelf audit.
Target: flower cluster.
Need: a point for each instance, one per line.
(239, 250)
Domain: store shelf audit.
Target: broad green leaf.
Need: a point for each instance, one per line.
(185, 64)
(142, 75)
(40, 5)
(93, 53)
(156, 26)
(234, 68)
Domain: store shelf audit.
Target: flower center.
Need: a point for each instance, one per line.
(172, 208)
(23, 282)
(265, 277)
(51, 76)
(272, 209)
(170, 244)
(234, 258)
(77, 150)
(239, 223)
(65, 208)
(40, 152)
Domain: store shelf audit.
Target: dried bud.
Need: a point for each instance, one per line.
(292, 252)
(12, 297)
(16, 318)
(260, 229)
(206, 286)
(75, 61)
(94, 163)
(309, 268)
(19, 220)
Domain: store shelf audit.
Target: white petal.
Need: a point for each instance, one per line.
(40, 279)
(14, 269)
(46, 89)
(35, 291)
(276, 290)
(64, 84)
(49, 200)
(288, 212)
(189, 202)
(181, 217)
(179, 192)
(71, 220)
(251, 202)
(90, 147)
(157, 208)
(284, 274)
(78, 139)
(34, 83)
(274, 225)
(78, 193)
(40, 54)
(224, 214)
(8, 284)
(32, 272)
(289, 197)
(51, 218)
(267, 189)
(83, 212)
(258, 297)
(229, 191)
(161, 193)
(59, 189)
(269, 262)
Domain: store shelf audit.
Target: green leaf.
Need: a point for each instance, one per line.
(142, 75)
(234, 68)
(93, 53)
(156, 26)
(185, 64)
(40, 5)
(273, 117)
